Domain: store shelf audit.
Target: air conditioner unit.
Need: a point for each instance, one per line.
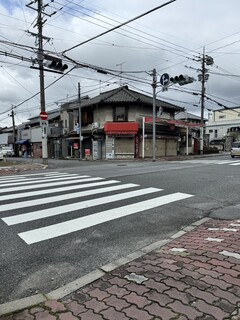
(95, 125)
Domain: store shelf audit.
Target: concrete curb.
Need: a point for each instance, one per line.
(71, 287)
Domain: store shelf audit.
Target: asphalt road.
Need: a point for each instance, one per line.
(56, 227)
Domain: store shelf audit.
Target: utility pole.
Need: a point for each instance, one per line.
(40, 58)
(14, 130)
(80, 121)
(41, 78)
(154, 85)
(202, 100)
(203, 77)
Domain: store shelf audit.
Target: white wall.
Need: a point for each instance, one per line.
(36, 135)
(3, 138)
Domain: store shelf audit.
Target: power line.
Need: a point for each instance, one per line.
(135, 29)
(119, 26)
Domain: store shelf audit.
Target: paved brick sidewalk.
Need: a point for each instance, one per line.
(20, 168)
(195, 276)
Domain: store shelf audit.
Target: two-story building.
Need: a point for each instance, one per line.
(29, 136)
(7, 137)
(112, 126)
(223, 126)
(189, 142)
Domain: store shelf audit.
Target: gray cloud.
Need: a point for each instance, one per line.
(168, 39)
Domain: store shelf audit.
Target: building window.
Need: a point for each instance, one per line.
(211, 131)
(215, 133)
(87, 117)
(120, 114)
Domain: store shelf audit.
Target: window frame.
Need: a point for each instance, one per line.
(119, 109)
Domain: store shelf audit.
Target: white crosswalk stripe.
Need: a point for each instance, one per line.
(58, 189)
(55, 178)
(74, 195)
(232, 162)
(70, 226)
(235, 164)
(79, 179)
(53, 191)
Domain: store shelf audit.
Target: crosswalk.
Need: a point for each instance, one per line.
(231, 162)
(49, 198)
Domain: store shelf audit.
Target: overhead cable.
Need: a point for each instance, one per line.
(120, 25)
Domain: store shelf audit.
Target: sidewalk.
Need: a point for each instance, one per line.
(16, 168)
(193, 275)
(21, 165)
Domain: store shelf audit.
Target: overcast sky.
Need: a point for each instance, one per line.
(170, 39)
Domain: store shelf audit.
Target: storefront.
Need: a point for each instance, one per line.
(122, 141)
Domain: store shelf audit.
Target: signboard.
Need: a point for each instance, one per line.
(43, 115)
(164, 79)
(43, 123)
(75, 146)
(87, 152)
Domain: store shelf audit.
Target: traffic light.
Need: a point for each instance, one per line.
(54, 63)
(182, 79)
(209, 60)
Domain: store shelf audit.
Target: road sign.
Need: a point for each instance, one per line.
(43, 123)
(43, 115)
(164, 79)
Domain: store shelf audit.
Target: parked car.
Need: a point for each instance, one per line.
(7, 151)
(235, 150)
(217, 143)
(1, 155)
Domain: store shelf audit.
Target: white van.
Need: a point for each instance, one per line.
(235, 150)
(7, 151)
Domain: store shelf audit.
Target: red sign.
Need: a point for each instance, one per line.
(43, 115)
(75, 145)
(87, 152)
(121, 128)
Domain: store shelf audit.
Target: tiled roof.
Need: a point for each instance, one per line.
(186, 116)
(122, 94)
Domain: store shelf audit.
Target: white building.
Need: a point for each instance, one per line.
(223, 122)
(224, 125)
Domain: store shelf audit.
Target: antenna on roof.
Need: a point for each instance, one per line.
(117, 65)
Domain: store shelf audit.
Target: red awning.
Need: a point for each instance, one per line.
(121, 128)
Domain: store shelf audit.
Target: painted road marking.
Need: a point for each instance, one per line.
(219, 162)
(36, 180)
(45, 213)
(214, 239)
(230, 254)
(63, 228)
(29, 175)
(79, 179)
(62, 197)
(57, 190)
(223, 229)
(20, 179)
